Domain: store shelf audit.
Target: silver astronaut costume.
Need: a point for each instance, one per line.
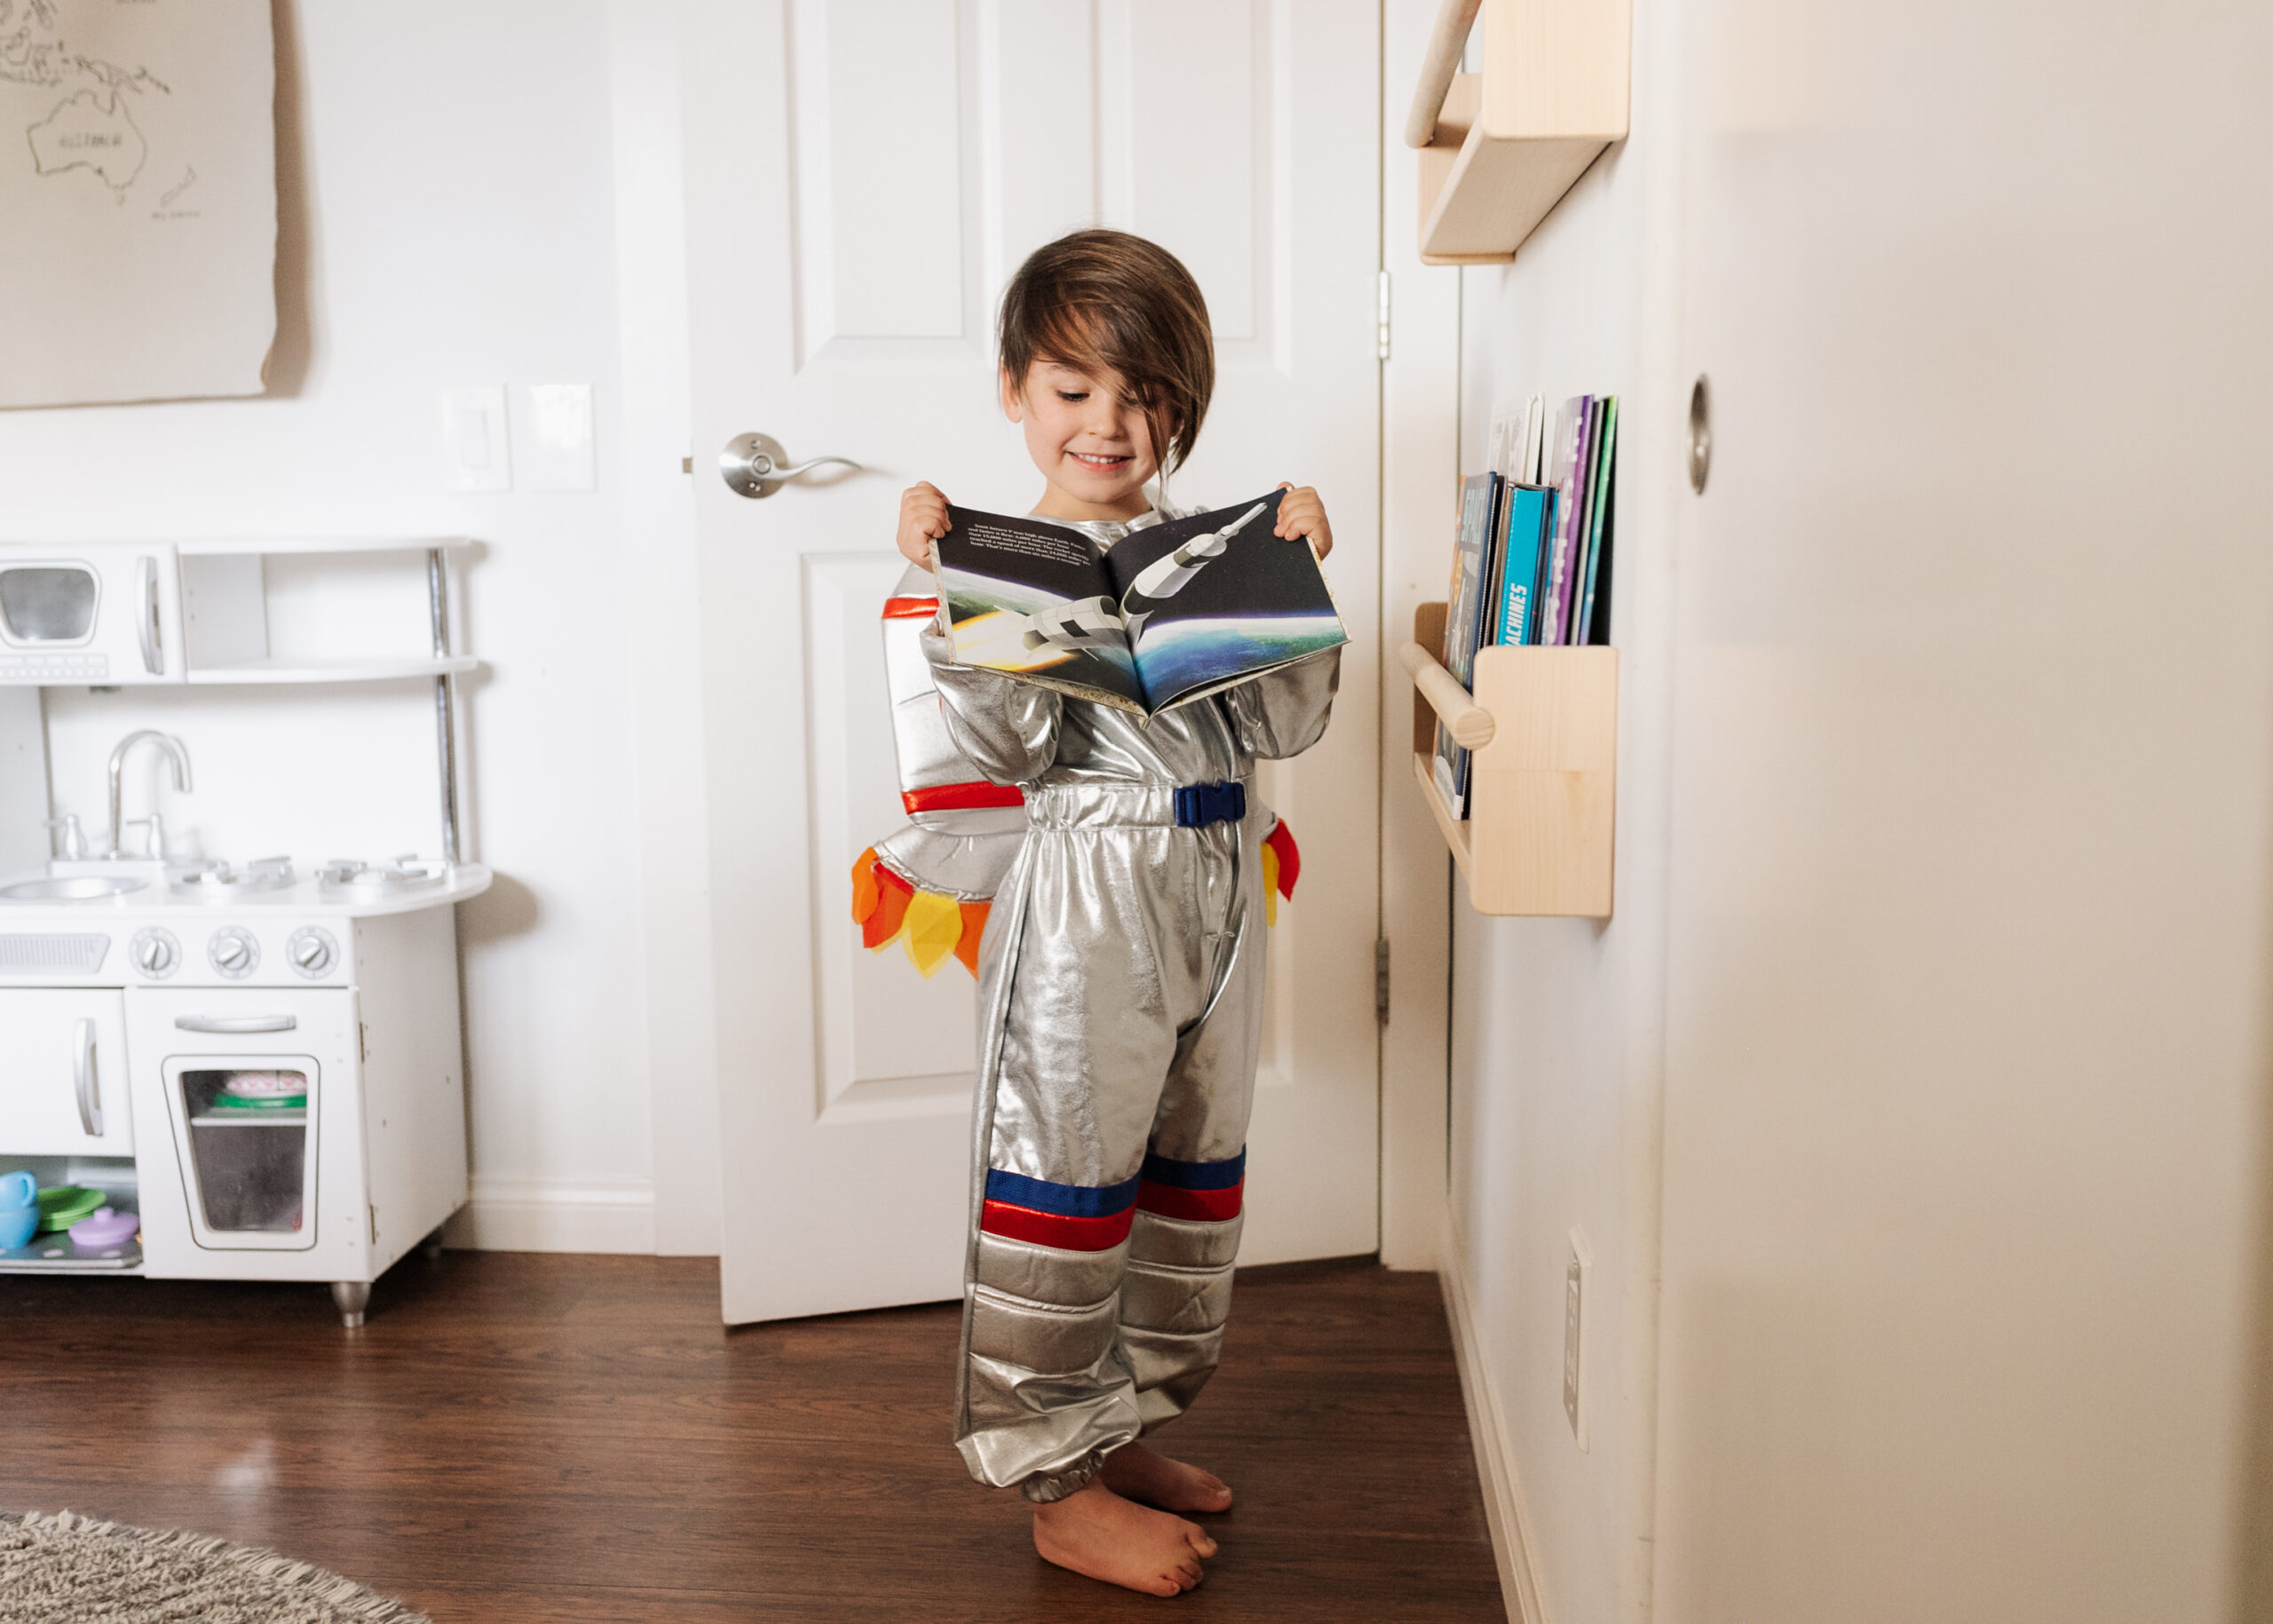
(1121, 991)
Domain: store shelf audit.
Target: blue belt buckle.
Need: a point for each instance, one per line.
(1197, 805)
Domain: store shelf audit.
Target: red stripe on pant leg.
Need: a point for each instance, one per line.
(1206, 1206)
(1049, 1229)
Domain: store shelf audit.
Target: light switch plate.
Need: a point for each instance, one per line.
(557, 438)
(476, 455)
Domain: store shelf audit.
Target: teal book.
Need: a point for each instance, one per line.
(1530, 527)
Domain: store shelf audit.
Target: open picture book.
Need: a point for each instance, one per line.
(1168, 615)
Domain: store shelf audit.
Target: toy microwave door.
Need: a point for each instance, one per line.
(102, 613)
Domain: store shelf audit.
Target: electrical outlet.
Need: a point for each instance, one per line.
(557, 440)
(1577, 1280)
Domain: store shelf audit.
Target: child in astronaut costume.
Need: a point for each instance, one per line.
(1120, 973)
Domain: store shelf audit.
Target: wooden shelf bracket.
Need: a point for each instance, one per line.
(1543, 724)
(1499, 148)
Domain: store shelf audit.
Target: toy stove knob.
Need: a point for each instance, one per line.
(154, 952)
(235, 952)
(312, 951)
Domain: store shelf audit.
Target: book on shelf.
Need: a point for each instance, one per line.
(1531, 557)
(1167, 614)
(1465, 599)
(1593, 622)
(1569, 475)
(1517, 429)
(1525, 535)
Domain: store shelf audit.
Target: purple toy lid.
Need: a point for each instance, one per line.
(105, 1227)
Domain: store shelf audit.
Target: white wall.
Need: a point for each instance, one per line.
(1556, 1038)
(449, 217)
(1936, 988)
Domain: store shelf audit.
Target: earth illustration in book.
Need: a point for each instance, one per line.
(1189, 654)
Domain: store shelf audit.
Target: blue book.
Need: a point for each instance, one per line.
(1465, 623)
(1530, 522)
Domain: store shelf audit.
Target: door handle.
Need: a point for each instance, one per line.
(236, 1023)
(85, 1083)
(756, 466)
(146, 626)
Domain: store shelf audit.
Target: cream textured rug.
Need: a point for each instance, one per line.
(71, 1570)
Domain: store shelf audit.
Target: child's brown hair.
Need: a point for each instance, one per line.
(1098, 299)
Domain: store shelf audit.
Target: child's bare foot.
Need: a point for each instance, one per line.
(1143, 1473)
(1095, 1532)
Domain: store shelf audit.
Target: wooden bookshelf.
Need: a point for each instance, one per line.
(1499, 148)
(1544, 782)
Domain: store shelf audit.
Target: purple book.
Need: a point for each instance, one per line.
(1568, 473)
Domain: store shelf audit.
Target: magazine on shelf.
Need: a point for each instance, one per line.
(1574, 584)
(1479, 499)
(1525, 534)
(1593, 622)
(1168, 615)
(1569, 475)
(1517, 428)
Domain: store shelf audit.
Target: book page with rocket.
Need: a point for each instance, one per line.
(1216, 598)
(1033, 601)
(1170, 613)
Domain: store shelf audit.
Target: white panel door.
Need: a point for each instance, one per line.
(63, 1072)
(863, 177)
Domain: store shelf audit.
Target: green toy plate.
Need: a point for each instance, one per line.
(60, 1206)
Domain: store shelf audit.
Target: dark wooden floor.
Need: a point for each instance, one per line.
(520, 1437)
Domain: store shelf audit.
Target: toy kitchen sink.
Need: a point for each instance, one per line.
(265, 1063)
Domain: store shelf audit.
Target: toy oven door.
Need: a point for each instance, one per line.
(246, 1108)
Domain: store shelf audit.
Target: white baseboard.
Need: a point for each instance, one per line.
(1487, 1431)
(543, 1214)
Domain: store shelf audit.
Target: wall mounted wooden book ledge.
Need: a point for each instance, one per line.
(1543, 787)
(1499, 148)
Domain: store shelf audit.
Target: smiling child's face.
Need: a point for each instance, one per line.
(1090, 442)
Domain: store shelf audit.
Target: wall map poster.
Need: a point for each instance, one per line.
(138, 199)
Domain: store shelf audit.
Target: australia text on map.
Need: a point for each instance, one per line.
(89, 127)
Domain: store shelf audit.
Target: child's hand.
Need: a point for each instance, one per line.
(923, 519)
(1301, 514)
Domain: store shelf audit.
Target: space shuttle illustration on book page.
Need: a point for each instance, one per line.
(1169, 613)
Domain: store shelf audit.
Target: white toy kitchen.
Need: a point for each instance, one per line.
(246, 1066)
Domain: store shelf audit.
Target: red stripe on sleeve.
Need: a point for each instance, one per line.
(961, 797)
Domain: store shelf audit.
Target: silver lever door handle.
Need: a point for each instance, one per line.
(85, 1084)
(756, 466)
(236, 1023)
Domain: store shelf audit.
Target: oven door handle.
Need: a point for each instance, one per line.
(85, 1083)
(146, 625)
(236, 1023)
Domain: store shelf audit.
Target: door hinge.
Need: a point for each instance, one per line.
(1380, 981)
(363, 1041)
(1380, 316)
(374, 1211)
